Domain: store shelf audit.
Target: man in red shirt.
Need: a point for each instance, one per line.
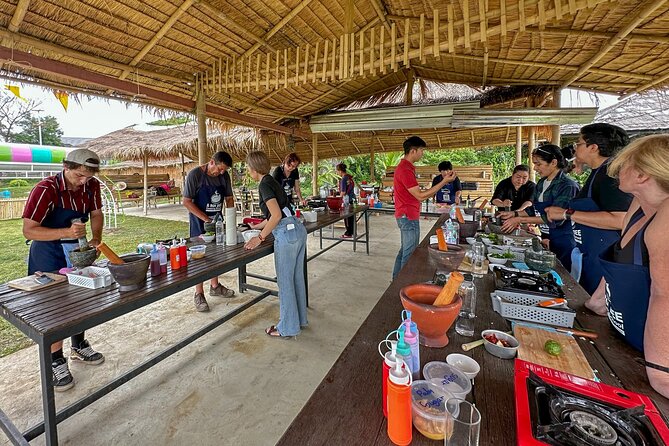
(47, 221)
(408, 196)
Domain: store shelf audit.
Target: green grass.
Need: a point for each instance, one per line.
(131, 231)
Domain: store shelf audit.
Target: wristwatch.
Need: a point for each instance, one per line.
(568, 213)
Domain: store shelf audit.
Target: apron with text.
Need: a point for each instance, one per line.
(209, 199)
(628, 290)
(590, 242)
(446, 194)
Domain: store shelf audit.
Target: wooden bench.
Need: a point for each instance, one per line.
(134, 190)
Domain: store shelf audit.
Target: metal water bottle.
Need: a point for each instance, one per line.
(399, 405)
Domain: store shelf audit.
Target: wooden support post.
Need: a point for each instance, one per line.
(421, 39)
(465, 17)
(435, 40)
(314, 164)
(146, 183)
(451, 29)
(555, 129)
(393, 47)
(531, 145)
(519, 145)
(200, 105)
(409, 92)
(407, 31)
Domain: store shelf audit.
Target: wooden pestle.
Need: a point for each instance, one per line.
(111, 255)
(448, 292)
(443, 246)
(458, 215)
(485, 201)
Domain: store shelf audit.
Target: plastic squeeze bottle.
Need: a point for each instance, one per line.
(162, 255)
(389, 360)
(174, 255)
(404, 350)
(183, 253)
(411, 338)
(155, 262)
(399, 405)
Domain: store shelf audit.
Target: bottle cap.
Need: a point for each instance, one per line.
(403, 348)
(399, 375)
(409, 336)
(406, 315)
(155, 249)
(390, 357)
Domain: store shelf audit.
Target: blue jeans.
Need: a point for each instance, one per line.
(410, 237)
(290, 247)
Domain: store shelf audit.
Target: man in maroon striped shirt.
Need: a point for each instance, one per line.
(47, 220)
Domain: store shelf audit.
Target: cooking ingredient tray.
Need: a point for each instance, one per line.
(522, 307)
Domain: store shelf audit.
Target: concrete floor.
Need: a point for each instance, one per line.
(233, 386)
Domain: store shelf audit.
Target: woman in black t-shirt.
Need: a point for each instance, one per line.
(288, 176)
(290, 242)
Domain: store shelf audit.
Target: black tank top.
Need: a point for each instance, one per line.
(626, 254)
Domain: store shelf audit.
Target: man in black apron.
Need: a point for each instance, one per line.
(206, 188)
(47, 220)
(598, 210)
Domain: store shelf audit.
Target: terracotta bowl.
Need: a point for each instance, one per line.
(450, 259)
(433, 322)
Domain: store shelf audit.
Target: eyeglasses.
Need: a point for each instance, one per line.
(576, 144)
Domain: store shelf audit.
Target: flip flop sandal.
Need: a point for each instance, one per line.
(273, 332)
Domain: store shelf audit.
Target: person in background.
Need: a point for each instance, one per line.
(288, 177)
(634, 292)
(555, 188)
(290, 241)
(598, 210)
(450, 192)
(206, 188)
(346, 189)
(515, 192)
(408, 196)
(47, 220)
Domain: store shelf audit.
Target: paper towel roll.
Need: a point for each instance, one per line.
(230, 226)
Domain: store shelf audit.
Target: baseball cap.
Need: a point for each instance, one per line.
(83, 157)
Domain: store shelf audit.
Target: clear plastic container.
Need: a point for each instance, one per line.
(197, 251)
(448, 377)
(428, 408)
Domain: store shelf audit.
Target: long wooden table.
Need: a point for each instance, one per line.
(62, 310)
(346, 406)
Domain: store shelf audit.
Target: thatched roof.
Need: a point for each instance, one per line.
(640, 114)
(132, 144)
(273, 64)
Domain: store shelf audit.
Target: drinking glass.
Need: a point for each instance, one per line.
(463, 423)
(465, 323)
(478, 264)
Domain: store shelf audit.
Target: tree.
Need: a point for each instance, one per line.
(51, 132)
(13, 111)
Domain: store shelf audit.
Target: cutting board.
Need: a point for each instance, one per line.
(28, 283)
(571, 360)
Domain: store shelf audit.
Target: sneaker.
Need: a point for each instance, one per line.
(62, 378)
(201, 304)
(86, 355)
(346, 236)
(221, 291)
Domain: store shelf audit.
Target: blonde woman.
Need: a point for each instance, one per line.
(290, 241)
(634, 293)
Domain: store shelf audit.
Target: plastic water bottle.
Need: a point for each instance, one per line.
(467, 292)
(220, 231)
(452, 215)
(452, 232)
(399, 405)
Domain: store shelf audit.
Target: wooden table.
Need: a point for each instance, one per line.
(62, 310)
(346, 406)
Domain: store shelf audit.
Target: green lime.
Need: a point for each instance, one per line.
(553, 347)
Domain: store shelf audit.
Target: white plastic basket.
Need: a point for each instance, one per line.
(521, 307)
(82, 277)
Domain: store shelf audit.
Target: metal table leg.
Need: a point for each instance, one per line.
(367, 230)
(241, 274)
(355, 233)
(48, 398)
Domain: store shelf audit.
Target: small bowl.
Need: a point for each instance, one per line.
(496, 260)
(448, 377)
(310, 216)
(450, 259)
(428, 403)
(470, 240)
(498, 350)
(197, 251)
(248, 235)
(207, 238)
(465, 364)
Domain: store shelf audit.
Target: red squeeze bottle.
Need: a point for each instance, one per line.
(399, 405)
(183, 253)
(389, 360)
(174, 256)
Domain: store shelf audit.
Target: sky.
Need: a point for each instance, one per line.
(97, 117)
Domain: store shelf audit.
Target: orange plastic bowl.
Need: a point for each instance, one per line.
(433, 322)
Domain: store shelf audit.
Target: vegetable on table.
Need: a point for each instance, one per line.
(553, 347)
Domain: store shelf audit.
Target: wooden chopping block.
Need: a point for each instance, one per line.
(29, 284)
(531, 348)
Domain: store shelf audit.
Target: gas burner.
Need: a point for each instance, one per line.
(592, 429)
(527, 282)
(559, 409)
